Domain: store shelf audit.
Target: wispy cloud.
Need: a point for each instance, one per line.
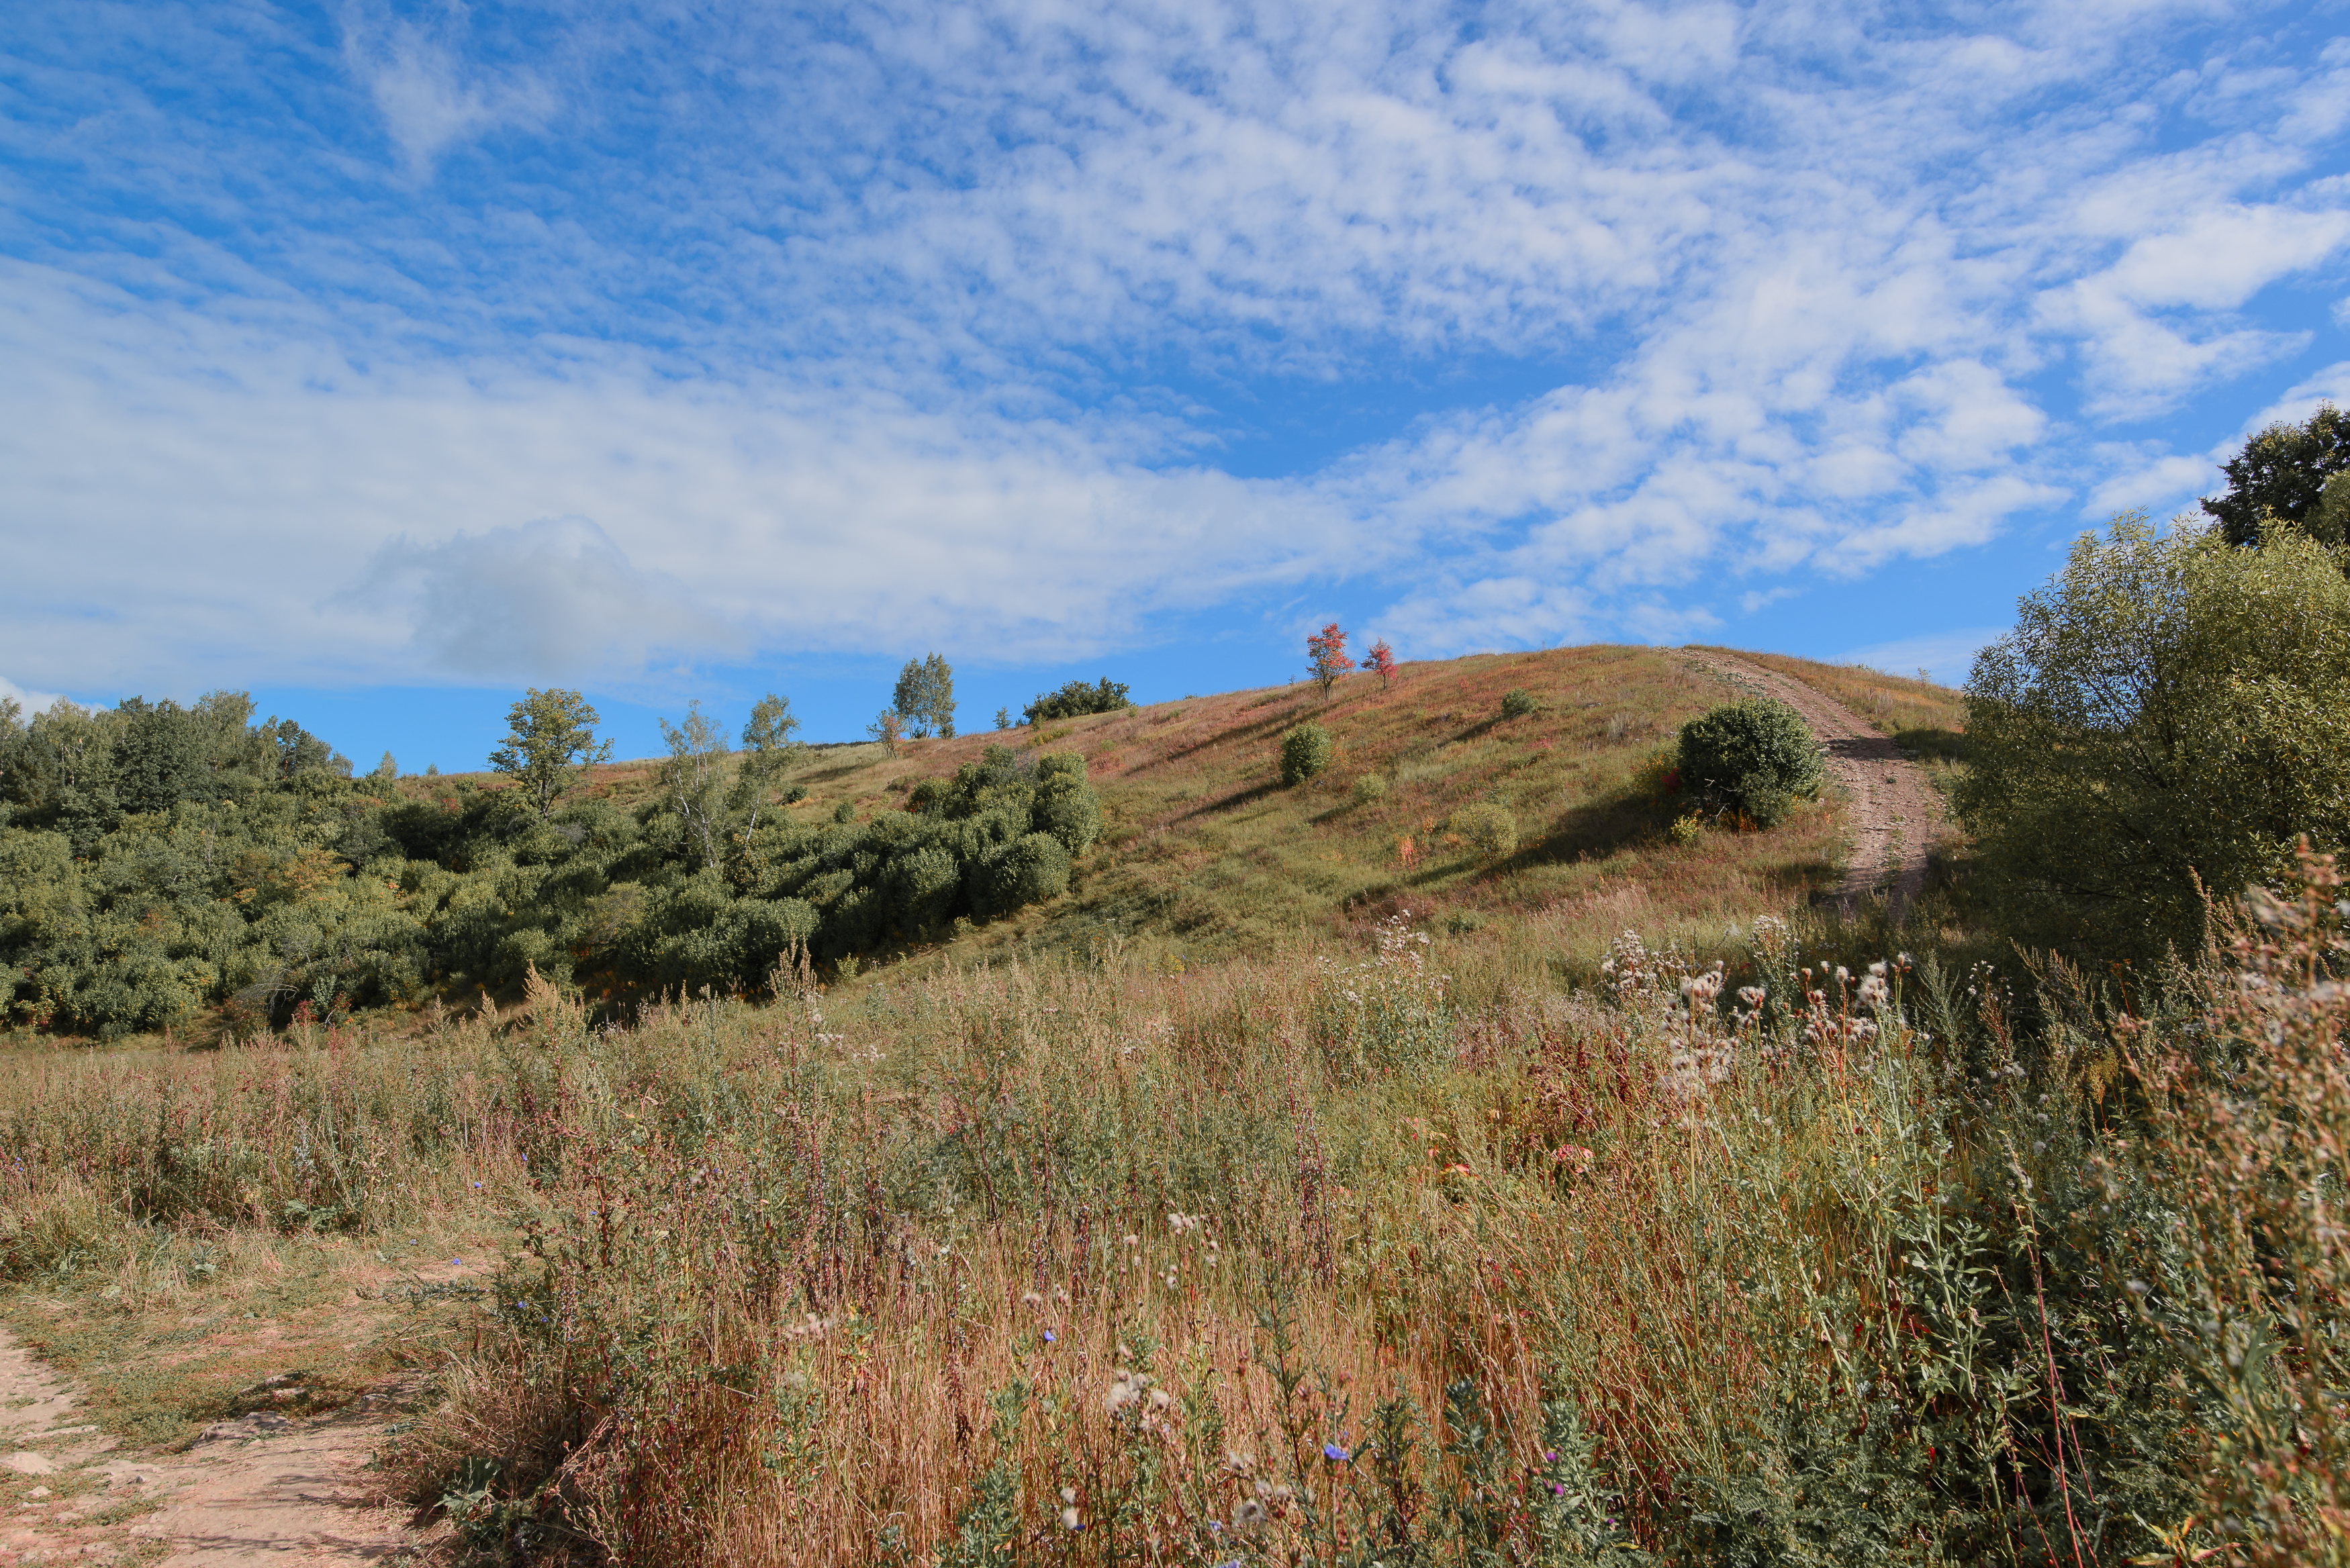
(430, 95)
(753, 330)
(27, 702)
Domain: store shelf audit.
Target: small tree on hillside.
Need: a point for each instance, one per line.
(550, 744)
(694, 775)
(769, 750)
(924, 698)
(1325, 653)
(888, 729)
(1380, 661)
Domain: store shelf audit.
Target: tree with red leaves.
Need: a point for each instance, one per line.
(1326, 655)
(1380, 661)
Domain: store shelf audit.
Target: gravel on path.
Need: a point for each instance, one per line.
(1896, 810)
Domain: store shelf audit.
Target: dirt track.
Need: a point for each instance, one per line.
(267, 1490)
(1895, 808)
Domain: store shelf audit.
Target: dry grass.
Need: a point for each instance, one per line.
(1204, 855)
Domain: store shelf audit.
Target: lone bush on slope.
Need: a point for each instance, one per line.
(1753, 757)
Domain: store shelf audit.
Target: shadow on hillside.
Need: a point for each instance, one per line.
(1238, 798)
(1933, 745)
(1595, 828)
(1258, 730)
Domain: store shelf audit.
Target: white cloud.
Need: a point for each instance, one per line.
(27, 702)
(428, 95)
(2147, 478)
(926, 324)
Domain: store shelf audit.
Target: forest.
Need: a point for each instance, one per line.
(159, 861)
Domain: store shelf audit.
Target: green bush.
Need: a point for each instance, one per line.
(1492, 831)
(1306, 751)
(1753, 757)
(1076, 700)
(1065, 805)
(1517, 703)
(1370, 789)
(1028, 870)
(2170, 709)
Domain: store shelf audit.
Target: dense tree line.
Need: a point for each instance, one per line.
(158, 861)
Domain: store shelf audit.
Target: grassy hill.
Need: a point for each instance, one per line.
(1205, 853)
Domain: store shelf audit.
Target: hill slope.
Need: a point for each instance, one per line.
(1205, 853)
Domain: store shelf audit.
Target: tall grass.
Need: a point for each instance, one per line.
(1413, 1253)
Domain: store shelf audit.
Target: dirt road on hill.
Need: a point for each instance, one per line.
(264, 1490)
(1895, 809)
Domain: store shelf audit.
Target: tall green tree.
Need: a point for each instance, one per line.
(924, 698)
(2299, 475)
(163, 757)
(550, 744)
(770, 749)
(693, 776)
(2168, 709)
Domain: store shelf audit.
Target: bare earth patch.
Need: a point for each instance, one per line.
(1896, 811)
(263, 1489)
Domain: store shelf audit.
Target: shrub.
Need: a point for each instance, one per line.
(1752, 757)
(1305, 753)
(1517, 703)
(1076, 700)
(1028, 870)
(1065, 805)
(1686, 828)
(1370, 788)
(2168, 708)
(1489, 830)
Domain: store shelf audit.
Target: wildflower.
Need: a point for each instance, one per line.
(1877, 969)
(1031, 1299)
(1334, 1453)
(1070, 1518)
(1068, 1494)
(1050, 1337)
(1247, 1513)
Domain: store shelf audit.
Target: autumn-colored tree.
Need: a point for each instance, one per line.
(1380, 661)
(1325, 653)
(888, 729)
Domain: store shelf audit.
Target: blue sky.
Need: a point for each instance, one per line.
(384, 359)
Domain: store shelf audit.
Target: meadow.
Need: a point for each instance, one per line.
(1266, 1198)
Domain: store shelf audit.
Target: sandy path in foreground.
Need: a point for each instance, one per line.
(267, 1490)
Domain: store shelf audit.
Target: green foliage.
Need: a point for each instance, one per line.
(1753, 757)
(1370, 789)
(1306, 751)
(2298, 474)
(924, 697)
(2168, 709)
(692, 776)
(769, 750)
(1517, 703)
(1490, 831)
(1076, 700)
(550, 743)
(263, 892)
